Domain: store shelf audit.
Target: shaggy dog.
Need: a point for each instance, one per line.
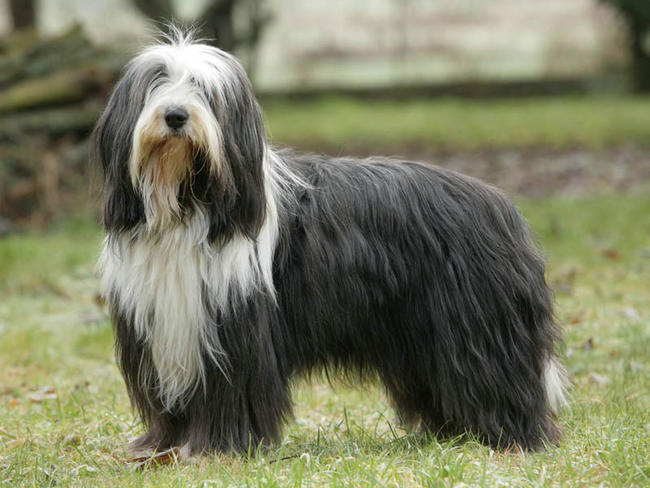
(231, 267)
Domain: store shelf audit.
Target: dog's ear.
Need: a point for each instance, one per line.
(113, 139)
(244, 145)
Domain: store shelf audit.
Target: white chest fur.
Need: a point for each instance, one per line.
(168, 283)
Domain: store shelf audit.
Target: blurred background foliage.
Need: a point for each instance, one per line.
(536, 97)
(636, 14)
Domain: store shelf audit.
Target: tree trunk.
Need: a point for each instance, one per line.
(218, 25)
(23, 14)
(640, 56)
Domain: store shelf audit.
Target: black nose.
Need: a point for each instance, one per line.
(176, 117)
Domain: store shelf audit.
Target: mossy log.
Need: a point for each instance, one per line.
(51, 93)
(59, 121)
(59, 88)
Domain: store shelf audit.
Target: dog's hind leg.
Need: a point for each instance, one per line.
(415, 406)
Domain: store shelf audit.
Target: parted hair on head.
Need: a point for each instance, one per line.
(182, 126)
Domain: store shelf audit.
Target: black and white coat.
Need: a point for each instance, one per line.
(231, 267)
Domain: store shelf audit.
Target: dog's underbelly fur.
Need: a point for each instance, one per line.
(420, 276)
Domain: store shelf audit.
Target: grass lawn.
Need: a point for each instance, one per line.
(384, 125)
(65, 417)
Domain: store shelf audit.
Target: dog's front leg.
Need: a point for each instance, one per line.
(245, 400)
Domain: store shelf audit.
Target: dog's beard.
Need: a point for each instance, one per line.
(158, 173)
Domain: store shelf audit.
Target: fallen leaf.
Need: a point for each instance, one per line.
(588, 345)
(575, 319)
(14, 402)
(168, 456)
(612, 254)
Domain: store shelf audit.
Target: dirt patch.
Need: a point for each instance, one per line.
(539, 173)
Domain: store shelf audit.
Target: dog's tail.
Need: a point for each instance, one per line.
(555, 383)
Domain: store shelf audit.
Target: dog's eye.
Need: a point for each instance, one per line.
(158, 75)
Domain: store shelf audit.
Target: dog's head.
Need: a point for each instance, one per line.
(182, 133)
